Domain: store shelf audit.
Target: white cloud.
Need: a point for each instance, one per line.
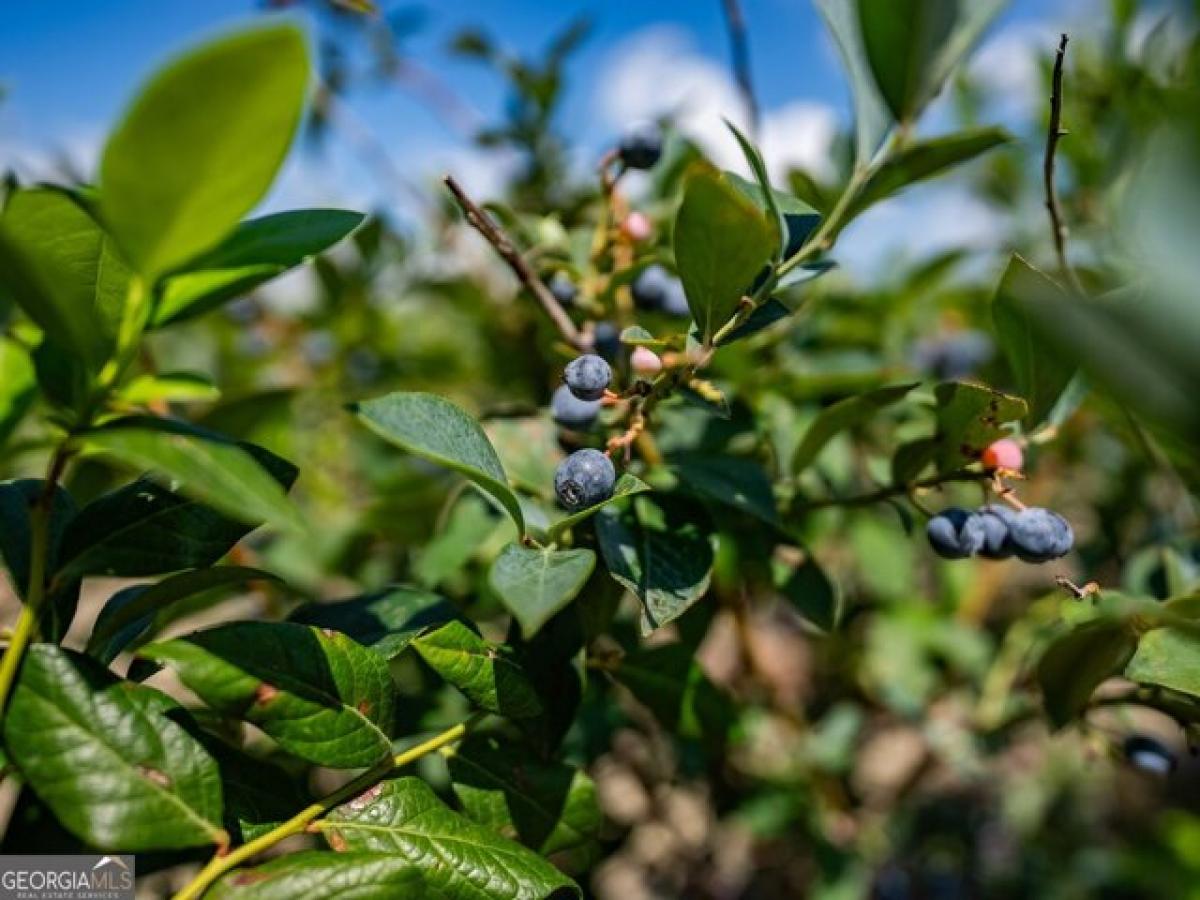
(1007, 67)
(658, 72)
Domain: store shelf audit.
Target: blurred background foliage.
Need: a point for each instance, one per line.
(901, 754)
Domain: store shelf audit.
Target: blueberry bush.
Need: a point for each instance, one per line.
(651, 554)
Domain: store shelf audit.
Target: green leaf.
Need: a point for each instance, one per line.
(130, 613)
(63, 271)
(108, 758)
(206, 466)
(662, 552)
(402, 817)
(764, 316)
(847, 413)
(925, 159)
(722, 241)
(257, 251)
(739, 483)
(903, 39)
(871, 116)
(321, 875)
(534, 583)
(1167, 657)
(485, 673)
(547, 806)
(766, 193)
(143, 528)
(18, 386)
(433, 428)
(969, 417)
(627, 486)
(319, 694)
(1075, 664)
(387, 621)
(668, 680)
(258, 795)
(637, 336)
(172, 184)
(811, 593)
(797, 220)
(1041, 374)
(170, 387)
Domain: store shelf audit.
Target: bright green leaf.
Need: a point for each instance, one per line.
(321, 875)
(320, 695)
(484, 672)
(387, 621)
(201, 144)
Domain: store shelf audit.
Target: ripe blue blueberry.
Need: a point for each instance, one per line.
(674, 301)
(1039, 535)
(996, 520)
(1149, 754)
(587, 376)
(641, 146)
(584, 478)
(607, 340)
(571, 412)
(650, 287)
(955, 533)
(563, 289)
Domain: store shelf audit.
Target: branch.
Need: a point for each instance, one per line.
(894, 490)
(503, 245)
(1054, 132)
(739, 48)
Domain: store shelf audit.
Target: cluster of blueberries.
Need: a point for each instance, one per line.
(587, 476)
(1034, 535)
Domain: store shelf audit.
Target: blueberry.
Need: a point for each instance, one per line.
(587, 376)
(584, 478)
(674, 302)
(641, 146)
(607, 340)
(996, 520)
(1149, 754)
(1039, 535)
(955, 356)
(955, 533)
(651, 286)
(563, 289)
(571, 412)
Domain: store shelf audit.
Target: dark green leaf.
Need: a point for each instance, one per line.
(387, 621)
(321, 875)
(547, 806)
(171, 184)
(765, 193)
(18, 386)
(258, 795)
(16, 499)
(457, 858)
(739, 483)
(903, 39)
(662, 552)
(257, 251)
(844, 414)
(722, 241)
(208, 467)
(435, 429)
(1075, 664)
(145, 529)
(484, 672)
(669, 681)
(534, 583)
(811, 593)
(1041, 374)
(763, 316)
(925, 159)
(130, 614)
(61, 268)
(108, 758)
(320, 695)
(969, 418)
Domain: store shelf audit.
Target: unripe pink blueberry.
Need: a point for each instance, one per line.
(645, 361)
(636, 227)
(1004, 454)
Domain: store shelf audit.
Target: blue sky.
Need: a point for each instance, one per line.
(68, 67)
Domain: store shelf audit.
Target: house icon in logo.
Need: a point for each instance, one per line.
(110, 861)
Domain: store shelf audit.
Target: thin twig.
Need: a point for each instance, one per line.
(1054, 132)
(892, 490)
(503, 245)
(739, 48)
